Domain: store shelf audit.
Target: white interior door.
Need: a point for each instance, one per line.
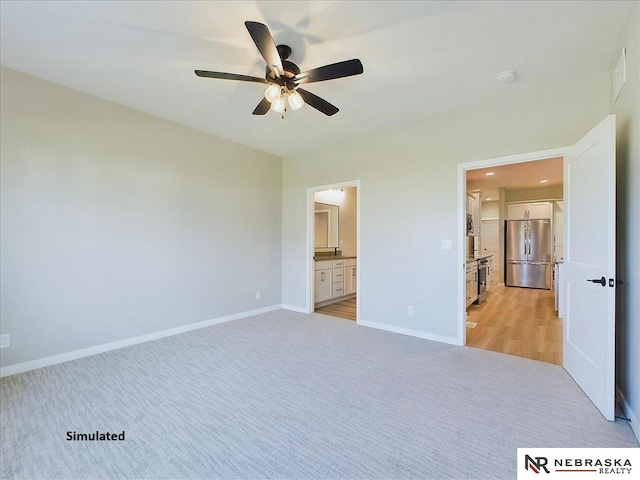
(589, 329)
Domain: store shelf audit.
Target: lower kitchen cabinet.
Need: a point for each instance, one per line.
(472, 282)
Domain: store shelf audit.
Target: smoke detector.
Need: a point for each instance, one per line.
(506, 77)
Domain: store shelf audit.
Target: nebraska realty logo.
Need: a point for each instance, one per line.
(581, 463)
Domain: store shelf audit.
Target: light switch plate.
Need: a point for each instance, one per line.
(446, 245)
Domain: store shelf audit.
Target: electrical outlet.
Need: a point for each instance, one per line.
(5, 340)
(257, 294)
(410, 310)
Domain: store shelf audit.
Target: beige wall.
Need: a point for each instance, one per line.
(349, 222)
(627, 110)
(527, 194)
(409, 197)
(117, 224)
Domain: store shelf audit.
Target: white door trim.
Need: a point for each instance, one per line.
(461, 333)
(311, 240)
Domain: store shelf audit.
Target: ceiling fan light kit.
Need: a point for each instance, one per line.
(295, 100)
(284, 77)
(273, 92)
(279, 104)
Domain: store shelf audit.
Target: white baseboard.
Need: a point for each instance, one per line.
(86, 352)
(410, 332)
(293, 309)
(629, 413)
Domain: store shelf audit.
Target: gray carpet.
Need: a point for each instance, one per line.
(287, 395)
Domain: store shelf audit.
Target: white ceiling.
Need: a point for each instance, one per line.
(421, 59)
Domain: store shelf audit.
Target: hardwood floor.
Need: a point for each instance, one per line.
(345, 309)
(517, 321)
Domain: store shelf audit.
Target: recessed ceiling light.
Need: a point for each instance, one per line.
(489, 199)
(544, 181)
(488, 174)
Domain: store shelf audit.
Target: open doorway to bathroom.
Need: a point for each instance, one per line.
(335, 251)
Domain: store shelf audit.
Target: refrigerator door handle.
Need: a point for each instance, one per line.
(538, 263)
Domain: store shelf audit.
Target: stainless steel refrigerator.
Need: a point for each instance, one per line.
(528, 253)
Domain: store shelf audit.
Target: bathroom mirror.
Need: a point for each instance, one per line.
(326, 231)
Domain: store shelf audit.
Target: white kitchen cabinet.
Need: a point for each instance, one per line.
(558, 231)
(516, 211)
(350, 276)
(323, 281)
(540, 210)
(528, 211)
(473, 210)
(472, 282)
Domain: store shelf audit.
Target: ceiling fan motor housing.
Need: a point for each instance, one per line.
(290, 68)
(284, 51)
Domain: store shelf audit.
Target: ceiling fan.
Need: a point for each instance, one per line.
(284, 77)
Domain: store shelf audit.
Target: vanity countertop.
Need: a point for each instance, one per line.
(478, 257)
(319, 258)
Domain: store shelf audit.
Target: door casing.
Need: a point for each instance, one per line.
(311, 240)
(461, 333)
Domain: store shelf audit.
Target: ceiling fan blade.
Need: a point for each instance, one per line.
(263, 107)
(318, 103)
(329, 72)
(229, 76)
(266, 46)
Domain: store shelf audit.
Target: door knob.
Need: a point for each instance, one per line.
(602, 281)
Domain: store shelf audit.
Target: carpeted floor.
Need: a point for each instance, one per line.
(287, 395)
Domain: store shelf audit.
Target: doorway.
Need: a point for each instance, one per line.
(513, 320)
(589, 189)
(333, 256)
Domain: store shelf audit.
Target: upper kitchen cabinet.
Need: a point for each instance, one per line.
(528, 211)
(473, 213)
